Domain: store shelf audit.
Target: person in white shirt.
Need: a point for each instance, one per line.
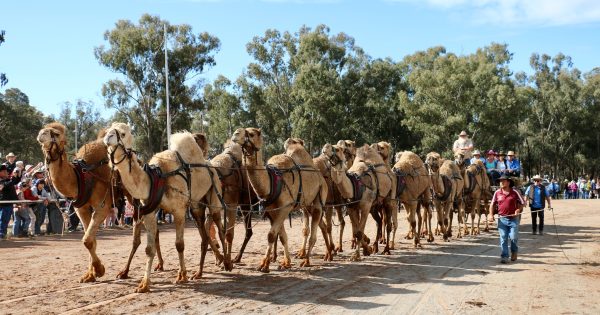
(463, 145)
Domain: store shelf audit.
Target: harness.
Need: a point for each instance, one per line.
(471, 184)
(447, 182)
(358, 187)
(157, 188)
(400, 182)
(85, 180)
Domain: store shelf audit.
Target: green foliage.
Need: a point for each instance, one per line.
(136, 53)
(19, 126)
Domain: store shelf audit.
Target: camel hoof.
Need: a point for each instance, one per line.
(430, 239)
(392, 245)
(143, 287)
(305, 263)
(285, 264)
(88, 277)
(355, 257)
(386, 251)
(98, 270)
(339, 249)
(264, 265)
(197, 275)
(124, 274)
(159, 267)
(237, 260)
(181, 278)
(301, 254)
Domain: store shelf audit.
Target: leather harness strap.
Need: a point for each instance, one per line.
(85, 180)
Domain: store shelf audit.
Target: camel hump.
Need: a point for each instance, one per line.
(92, 152)
(186, 145)
(407, 161)
(202, 142)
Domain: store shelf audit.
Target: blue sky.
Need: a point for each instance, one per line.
(48, 52)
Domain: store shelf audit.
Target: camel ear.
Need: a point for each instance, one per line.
(341, 143)
(327, 149)
(301, 142)
(259, 131)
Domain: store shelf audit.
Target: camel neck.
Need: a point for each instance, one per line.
(133, 176)
(257, 175)
(342, 182)
(63, 176)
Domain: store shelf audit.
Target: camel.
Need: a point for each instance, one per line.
(446, 181)
(414, 192)
(332, 156)
(92, 203)
(236, 192)
(306, 213)
(137, 224)
(476, 172)
(369, 166)
(287, 182)
(185, 186)
(385, 151)
(359, 199)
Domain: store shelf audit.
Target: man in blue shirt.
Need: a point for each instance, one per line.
(537, 195)
(477, 156)
(513, 166)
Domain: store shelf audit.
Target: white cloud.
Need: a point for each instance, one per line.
(532, 12)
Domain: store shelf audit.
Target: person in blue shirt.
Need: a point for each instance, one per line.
(477, 156)
(513, 166)
(537, 195)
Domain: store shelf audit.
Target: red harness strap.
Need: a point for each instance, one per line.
(85, 182)
(157, 189)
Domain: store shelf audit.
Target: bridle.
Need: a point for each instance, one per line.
(249, 148)
(53, 144)
(127, 155)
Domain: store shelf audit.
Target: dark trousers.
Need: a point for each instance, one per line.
(534, 216)
(73, 219)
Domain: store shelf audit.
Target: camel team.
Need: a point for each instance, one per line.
(360, 180)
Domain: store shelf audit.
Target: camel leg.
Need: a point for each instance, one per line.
(160, 265)
(379, 222)
(356, 234)
(231, 214)
(364, 240)
(214, 245)
(137, 228)
(340, 216)
(91, 223)
(151, 227)
(388, 209)
(248, 225)
(286, 263)
(473, 211)
(277, 222)
(316, 213)
(180, 246)
(328, 224)
(427, 206)
(326, 230)
(199, 216)
(216, 216)
(305, 233)
(394, 218)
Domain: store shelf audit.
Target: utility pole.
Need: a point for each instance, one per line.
(167, 89)
(76, 133)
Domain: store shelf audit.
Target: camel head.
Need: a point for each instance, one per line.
(384, 149)
(334, 154)
(292, 141)
(118, 134)
(233, 148)
(398, 156)
(250, 139)
(366, 156)
(433, 161)
(202, 143)
(53, 140)
(459, 158)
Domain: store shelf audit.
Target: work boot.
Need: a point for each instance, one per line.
(534, 232)
(504, 260)
(513, 256)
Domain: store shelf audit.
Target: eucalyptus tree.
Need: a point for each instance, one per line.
(135, 51)
(83, 120)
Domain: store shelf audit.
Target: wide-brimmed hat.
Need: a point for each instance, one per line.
(463, 133)
(536, 177)
(492, 152)
(501, 153)
(510, 153)
(476, 152)
(506, 177)
(10, 155)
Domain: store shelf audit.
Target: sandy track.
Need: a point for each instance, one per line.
(463, 276)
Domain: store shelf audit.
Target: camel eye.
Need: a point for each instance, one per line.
(122, 134)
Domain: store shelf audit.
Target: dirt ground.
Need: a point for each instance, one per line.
(464, 276)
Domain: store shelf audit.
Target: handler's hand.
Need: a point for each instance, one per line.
(518, 211)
